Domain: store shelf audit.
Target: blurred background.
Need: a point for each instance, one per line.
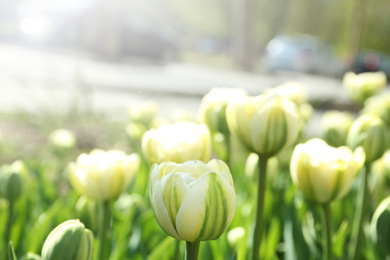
(184, 47)
(313, 36)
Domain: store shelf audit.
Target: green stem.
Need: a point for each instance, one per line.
(177, 250)
(327, 232)
(7, 236)
(357, 226)
(192, 250)
(104, 233)
(259, 225)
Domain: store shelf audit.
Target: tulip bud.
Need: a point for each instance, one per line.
(103, 175)
(69, 240)
(177, 142)
(11, 180)
(212, 109)
(379, 105)
(62, 140)
(364, 85)
(324, 173)
(192, 201)
(265, 124)
(380, 223)
(335, 126)
(370, 132)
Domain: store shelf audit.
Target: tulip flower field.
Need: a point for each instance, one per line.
(239, 180)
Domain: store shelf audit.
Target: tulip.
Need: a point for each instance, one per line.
(379, 227)
(192, 201)
(335, 126)
(379, 105)
(370, 132)
(143, 113)
(212, 109)
(364, 85)
(265, 124)
(11, 183)
(294, 91)
(62, 140)
(324, 173)
(177, 142)
(68, 241)
(103, 175)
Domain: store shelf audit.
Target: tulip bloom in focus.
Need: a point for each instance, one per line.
(69, 241)
(265, 124)
(192, 201)
(103, 175)
(178, 142)
(324, 173)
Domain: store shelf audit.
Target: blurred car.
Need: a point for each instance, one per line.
(301, 53)
(370, 61)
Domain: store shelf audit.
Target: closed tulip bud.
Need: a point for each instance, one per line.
(335, 126)
(370, 132)
(294, 91)
(212, 109)
(265, 124)
(324, 173)
(379, 105)
(364, 85)
(103, 175)
(380, 231)
(68, 241)
(12, 180)
(178, 142)
(192, 201)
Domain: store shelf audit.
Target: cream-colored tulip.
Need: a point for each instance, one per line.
(103, 175)
(212, 109)
(364, 85)
(192, 201)
(379, 105)
(324, 173)
(265, 124)
(143, 113)
(371, 133)
(294, 91)
(178, 142)
(335, 126)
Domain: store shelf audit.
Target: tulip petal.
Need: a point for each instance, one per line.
(207, 209)
(158, 204)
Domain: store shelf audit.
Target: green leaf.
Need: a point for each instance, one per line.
(11, 252)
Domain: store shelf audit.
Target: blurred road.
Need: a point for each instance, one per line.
(33, 80)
